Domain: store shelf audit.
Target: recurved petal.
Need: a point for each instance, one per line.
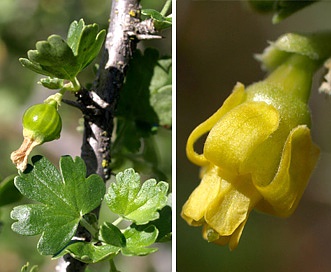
(282, 194)
(236, 98)
(238, 133)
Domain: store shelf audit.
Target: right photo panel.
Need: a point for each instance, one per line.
(253, 136)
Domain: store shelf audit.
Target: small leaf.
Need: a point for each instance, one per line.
(111, 235)
(74, 35)
(136, 202)
(8, 192)
(90, 253)
(90, 45)
(137, 241)
(65, 197)
(160, 22)
(85, 41)
(52, 83)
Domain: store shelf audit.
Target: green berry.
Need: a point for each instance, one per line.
(42, 123)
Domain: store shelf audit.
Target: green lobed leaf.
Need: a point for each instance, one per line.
(136, 202)
(147, 74)
(148, 81)
(147, 158)
(62, 59)
(8, 192)
(137, 241)
(65, 197)
(90, 253)
(134, 241)
(55, 57)
(134, 101)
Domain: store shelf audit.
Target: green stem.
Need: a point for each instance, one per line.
(89, 227)
(55, 99)
(112, 266)
(62, 91)
(166, 7)
(76, 84)
(117, 221)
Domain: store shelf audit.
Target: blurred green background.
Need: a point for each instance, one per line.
(216, 41)
(22, 24)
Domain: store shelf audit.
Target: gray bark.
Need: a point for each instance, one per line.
(99, 104)
(102, 100)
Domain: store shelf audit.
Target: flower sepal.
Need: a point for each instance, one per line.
(316, 47)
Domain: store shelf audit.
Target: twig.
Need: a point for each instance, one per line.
(98, 104)
(119, 48)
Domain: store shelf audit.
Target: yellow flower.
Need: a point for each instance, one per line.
(258, 154)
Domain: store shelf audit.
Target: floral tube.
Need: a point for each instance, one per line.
(258, 154)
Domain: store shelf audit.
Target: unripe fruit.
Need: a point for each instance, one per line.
(41, 123)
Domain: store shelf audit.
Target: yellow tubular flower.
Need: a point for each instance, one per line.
(258, 153)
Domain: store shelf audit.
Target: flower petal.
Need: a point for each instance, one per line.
(232, 205)
(298, 160)
(195, 207)
(238, 133)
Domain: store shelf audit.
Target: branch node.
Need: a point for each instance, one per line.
(144, 30)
